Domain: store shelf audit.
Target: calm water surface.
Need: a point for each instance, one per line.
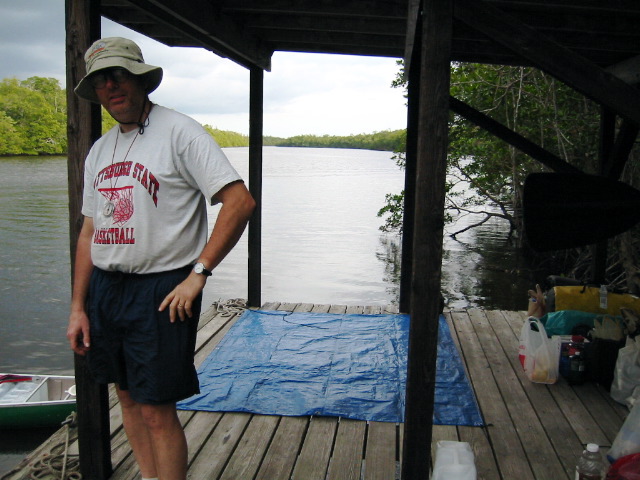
(321, 244)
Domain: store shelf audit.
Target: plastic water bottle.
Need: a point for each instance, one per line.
(591, 464)
(603, 297)
(577, 369)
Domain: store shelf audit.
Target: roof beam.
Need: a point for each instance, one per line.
(201, 21)
(389, 51)
(344, 39)
(375, 26)
(564, 64)
(349, 8)
(571, 6)
(413, 17)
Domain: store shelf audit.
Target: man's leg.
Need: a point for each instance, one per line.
(138, 434)
(168, 439)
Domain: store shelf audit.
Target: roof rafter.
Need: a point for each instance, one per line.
(557, 60)
(201, 22)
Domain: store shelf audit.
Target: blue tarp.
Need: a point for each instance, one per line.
(346, 365)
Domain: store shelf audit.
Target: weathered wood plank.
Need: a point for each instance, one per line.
(280, 458)
(478, 438)
(559, 431)
(319, 308)
(206, 345)
(247, 457)
(346, 463)
(603, 415)
(271, 306)
(372, 310)
(214, 330)
(508, 451)
(198, 429)
(621, 410)
(381, 459)
(337, 309)
(214, 454)
(577, 415)
(541, 455)
(313, 461)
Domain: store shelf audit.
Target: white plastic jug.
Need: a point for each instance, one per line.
(454, 461)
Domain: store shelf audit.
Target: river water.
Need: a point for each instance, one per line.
(321, 244)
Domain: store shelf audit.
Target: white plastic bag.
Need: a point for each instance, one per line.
(628, 439)
(539, 355)
(626, 376)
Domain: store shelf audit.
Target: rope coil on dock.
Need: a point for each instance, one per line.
(58, 464)
(230, 307)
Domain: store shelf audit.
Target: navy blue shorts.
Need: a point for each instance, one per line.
(135, 345)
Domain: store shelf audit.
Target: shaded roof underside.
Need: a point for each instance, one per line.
(250, 31)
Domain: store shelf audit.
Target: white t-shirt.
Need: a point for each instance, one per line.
(147, 193)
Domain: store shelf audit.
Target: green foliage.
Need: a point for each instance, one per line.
(11, 140)
(226, 138)
(108, 122)
(271, 141)
(388, 140)
(529, 102)
(484, 170)
(394, 210)
(33, 113)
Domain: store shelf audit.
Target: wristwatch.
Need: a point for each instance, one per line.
(199, 268)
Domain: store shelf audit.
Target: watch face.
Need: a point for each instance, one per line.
(199, 268)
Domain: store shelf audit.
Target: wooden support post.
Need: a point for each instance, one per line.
(413, 98)
(437, 19)
(255, 185)
(83, 128)
(606, 141)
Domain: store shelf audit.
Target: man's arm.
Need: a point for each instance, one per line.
(78, 329)
(237, 206)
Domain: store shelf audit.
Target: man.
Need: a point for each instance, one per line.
(143, 256)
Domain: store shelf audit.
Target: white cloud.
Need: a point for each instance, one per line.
(303, 94)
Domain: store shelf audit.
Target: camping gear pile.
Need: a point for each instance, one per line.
(586, 333)
(590, 321)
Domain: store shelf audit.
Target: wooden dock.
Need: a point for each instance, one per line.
(533, 431)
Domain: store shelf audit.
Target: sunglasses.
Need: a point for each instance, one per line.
(117, 75)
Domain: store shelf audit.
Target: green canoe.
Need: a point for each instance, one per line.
(28, 401)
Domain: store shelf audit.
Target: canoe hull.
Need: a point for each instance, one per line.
(36, 415)
(30, 401)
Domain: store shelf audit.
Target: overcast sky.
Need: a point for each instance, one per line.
(304, 93)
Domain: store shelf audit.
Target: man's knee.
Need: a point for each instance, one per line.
(159, 416)
(126, 402)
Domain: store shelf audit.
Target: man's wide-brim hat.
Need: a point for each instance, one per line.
(115, 52)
